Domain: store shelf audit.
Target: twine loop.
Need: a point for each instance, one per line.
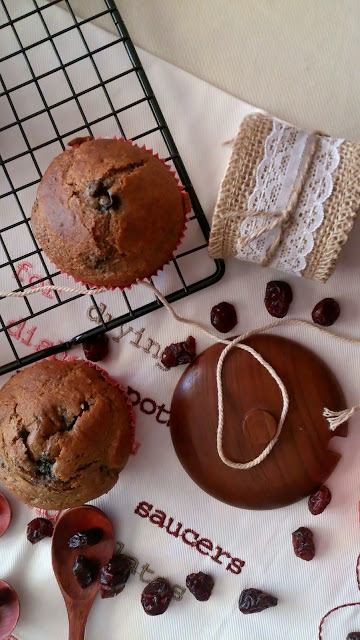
(220, 429)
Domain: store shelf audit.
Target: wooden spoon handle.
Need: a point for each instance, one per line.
(77, 623)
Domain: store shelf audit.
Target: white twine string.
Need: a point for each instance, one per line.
(220, 428)
(51, 287)
(334, 418)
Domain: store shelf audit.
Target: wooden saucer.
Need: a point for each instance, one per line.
(9, 610)
(5, 514)
(299, 462)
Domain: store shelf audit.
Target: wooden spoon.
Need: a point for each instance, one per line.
(9, 609)
(79, 601)
(5, 514)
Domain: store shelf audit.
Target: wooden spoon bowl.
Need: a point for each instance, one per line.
(9, 609)
(79, 601)
(5, 514)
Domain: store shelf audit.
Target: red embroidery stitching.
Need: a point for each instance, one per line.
(235, 563)
(17, 332)
(27, 267)
(136, 400)
(143, 509)
(342, 606)
(135, 448)
(201, 543)
(186, 540)
(220, 553)
(153, 406)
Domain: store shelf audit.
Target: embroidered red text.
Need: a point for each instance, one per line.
(25, 274)
(149, 407)
(190, 537)
(25, 332)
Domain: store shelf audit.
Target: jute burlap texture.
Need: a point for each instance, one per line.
(340, 208)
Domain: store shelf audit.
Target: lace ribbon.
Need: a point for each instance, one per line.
(292, 166)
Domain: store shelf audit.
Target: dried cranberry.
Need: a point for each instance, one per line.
(353, 635)
(255, 600)
(156, 597)
(278, 297)
(319, 500)
(83, 539)
(223, 317)
(303, 543)
(326, 312)
(38, 529)
(96, 348)
(200, 585)
(179, 353)
(114, 575)
(85, 571)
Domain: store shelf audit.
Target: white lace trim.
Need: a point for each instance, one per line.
(275, 179)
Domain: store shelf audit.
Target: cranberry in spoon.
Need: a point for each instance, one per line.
(79, 599)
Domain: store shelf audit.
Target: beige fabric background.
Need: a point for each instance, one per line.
(298, 59)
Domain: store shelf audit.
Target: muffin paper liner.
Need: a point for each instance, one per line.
(186, 208)
(49, 514)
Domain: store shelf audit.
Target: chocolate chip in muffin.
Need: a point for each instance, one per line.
(101, 196)
(44, 468)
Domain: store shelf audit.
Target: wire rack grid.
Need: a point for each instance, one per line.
(61, 77)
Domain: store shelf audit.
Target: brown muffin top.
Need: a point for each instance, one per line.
(108, 212)
(62, 429)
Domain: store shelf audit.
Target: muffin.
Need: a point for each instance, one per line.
(107, 212)
(64, 434)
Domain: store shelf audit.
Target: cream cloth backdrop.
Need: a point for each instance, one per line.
(294, 58)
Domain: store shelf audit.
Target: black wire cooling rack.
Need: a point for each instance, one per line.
(61, 77)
